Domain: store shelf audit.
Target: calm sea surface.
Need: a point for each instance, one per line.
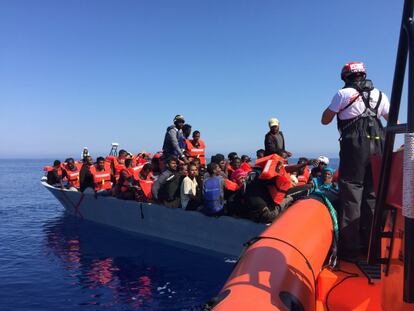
(49, 261)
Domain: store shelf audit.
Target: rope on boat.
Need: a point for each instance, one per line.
(408, 178)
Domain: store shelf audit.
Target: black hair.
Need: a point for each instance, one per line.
(302, 160)
(244, 157)
(218, 158)
(171, 158)
(231, 155)
(147, 167)
(56, 163)
(100, 159)
(260, 150)
(211, 167)
(122, 152)
(196, 132)
(235, 159)
(128, 162)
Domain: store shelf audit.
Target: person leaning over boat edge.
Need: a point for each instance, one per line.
(274, 140)
(173, 135)
(358, 107)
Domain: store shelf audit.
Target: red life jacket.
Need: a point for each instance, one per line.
(230, 171)
(101, 179)
(269, 165)
(117, 167)
(303, 179)
(278, 190)
(146, 186)
(196, 152)
(231, 185)
(72, 176)
(246, 167)
(127, 173)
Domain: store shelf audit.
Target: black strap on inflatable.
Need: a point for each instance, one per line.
(142, 212)
(258, 238)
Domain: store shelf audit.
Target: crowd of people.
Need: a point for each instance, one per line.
(179, 176)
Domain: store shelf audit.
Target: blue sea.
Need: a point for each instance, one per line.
(51, 261)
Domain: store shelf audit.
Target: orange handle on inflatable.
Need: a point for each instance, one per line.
(278, 271)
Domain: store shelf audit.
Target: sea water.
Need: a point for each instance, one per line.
(51, 261)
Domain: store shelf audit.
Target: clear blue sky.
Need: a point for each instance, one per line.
(86, 73)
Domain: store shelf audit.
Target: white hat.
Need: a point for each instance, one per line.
(324, 159)
(273, 122)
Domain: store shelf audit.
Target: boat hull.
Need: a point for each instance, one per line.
(224, 234)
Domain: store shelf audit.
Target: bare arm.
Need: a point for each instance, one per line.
(327, 116)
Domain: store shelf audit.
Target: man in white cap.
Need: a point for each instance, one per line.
(274, 141)
(322, 163)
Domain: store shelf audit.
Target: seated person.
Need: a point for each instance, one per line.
(85, 176)
(54, 174)
(189, 196)
(234, 165)
(127, 187)
(71, 172)
(245, 163)
(323, 162)
(145, 180)
(213, 191)
(260, 153)
(303, 173)
(166, 189)
(326, 185)
(102, 177)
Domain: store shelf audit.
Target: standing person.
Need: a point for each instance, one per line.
(274, 140)
(358, 107)
(102, 177)
(166, 188)
(71, 172)
(213, 191)
(196, 148)
(171, 146)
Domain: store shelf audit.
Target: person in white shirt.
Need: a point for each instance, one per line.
(358, 107)
(189, 195)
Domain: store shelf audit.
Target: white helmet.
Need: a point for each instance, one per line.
(324, 159)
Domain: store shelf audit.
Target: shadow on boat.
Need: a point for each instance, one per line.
(114, 269)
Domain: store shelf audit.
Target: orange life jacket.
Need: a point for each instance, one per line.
(146, 186)
(101, 179)
(303, 179)
(269, 165)
(231, 185)
(230, 171)
(117, 167)
(278, 189)
(196, 152)
(246, 167)
(72, 176)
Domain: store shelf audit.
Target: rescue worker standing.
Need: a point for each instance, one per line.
(358, 107)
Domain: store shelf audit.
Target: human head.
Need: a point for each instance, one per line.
(327, 175)
(353, 71)
(302, 160)
(128, 162)
(274, 125)
(100, 163)
(196, 136)
(70, 162)
(182, 169)
(88, 160)
(323, 161)
(179, 121)
(232, 155)
(122, 153)
(172, 163)
(192, 170)
(56, 164)
(213, 169)
(260, 153)
(186, 130)
(245, 158)
(146, 169)
(235, 163)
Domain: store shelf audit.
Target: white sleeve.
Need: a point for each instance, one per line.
(187, 189)
(385, 106)
(336, 102)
